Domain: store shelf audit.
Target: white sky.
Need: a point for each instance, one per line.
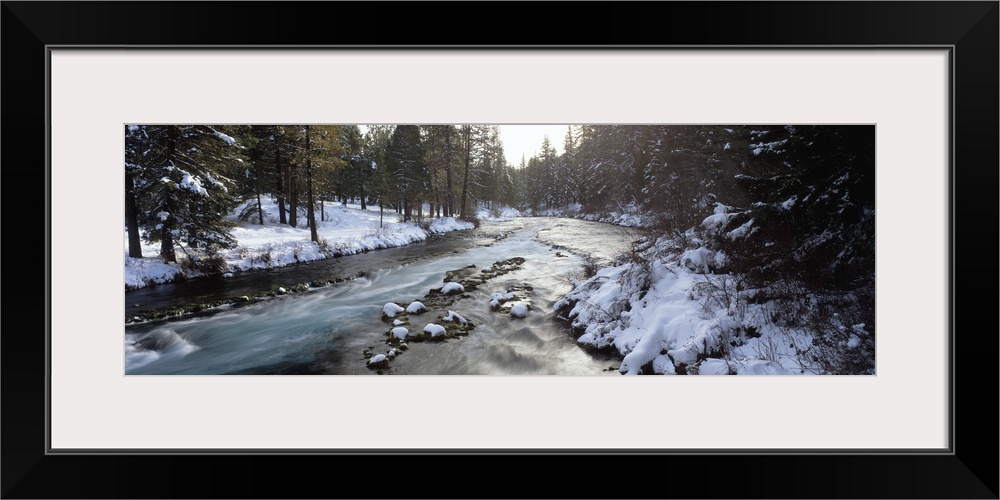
(527, 139)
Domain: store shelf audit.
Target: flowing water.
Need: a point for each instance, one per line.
(329, 330)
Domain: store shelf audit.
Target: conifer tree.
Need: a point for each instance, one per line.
(184, 195)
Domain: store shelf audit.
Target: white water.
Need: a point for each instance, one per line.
(328, 329)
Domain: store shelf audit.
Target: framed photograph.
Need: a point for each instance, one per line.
(913, 83)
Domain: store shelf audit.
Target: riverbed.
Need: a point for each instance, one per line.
(338, 328)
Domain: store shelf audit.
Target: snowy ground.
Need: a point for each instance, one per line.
(667, 312)
(677, 326)
(347, 230)
(627, 216)
(505, 214)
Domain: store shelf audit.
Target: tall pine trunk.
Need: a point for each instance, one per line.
(280, 187)
(465, 178)
(293, 196)
(166, 232)
(450, 211)
(132, 218)
(311, 214)
(256, 181)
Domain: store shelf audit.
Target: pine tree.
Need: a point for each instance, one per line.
(471, 142)
(406, 158)
(377, 139)
(136, 147)
(573, 188)
(358, 171)
(442, 152)
(550, 174)
(184, 195)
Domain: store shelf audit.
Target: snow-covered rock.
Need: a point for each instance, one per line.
(519, 310)
(378, 361)
(452, 288)
(415, 308)
(400, 332)
(435, 330)
(391, 309)
(454, 317)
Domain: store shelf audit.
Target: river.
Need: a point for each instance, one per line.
(335, 329)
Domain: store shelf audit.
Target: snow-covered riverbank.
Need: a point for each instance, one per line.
(347, 230)
(667, 310)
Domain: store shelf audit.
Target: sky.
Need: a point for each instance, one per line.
(527, 139)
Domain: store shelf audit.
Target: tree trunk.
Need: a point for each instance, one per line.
(465, 178)
(166, 236)
(132, 218)
(260, 209)
(450, 211)
(280, 187)
(363, 205)
(167, 246)
(310, 211)
(293, 196)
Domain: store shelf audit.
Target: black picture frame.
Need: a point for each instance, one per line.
(968, 470)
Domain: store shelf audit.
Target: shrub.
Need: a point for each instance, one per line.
(471, 217)
(214, 264)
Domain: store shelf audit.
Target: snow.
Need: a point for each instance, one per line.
(391, 309)
(676, 326)
(504, 214)
(771, 147)
(378, 358)
(415, 308)
(229, 140)
(193, 184)
(434, 329)
(147, 271)
(741, 231)
(400, 332)
(629, 215)
(448, 224)
(454, 317)
(519, 309)
(347, 230)
(452, 288)
(701, 259)
(716, 221)
(397, 322)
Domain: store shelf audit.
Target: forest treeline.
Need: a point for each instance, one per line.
(793, 200)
